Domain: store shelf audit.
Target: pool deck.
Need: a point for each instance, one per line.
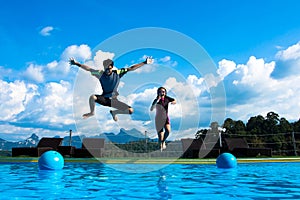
(149, 160)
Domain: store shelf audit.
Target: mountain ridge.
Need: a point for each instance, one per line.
(124, 136)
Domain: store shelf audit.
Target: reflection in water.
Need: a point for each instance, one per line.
(51, 175)
(162, 186)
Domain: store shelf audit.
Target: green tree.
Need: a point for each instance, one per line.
(240, 128)
(284, 126)
(229, 126)
(234, 127)
(254, 125)
(296, 126)
(271, 122)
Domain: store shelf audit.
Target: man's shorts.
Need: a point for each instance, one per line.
(111, 102)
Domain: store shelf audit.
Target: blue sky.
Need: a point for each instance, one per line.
(247, 63)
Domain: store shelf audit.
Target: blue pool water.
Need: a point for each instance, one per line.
(174, 181)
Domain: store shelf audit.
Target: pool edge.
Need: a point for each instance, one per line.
(148, 160)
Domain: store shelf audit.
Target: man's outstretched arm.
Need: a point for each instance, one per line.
(72, 61)
(148, 60)
(94, 72)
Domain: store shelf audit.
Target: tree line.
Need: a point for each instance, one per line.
(271, 131)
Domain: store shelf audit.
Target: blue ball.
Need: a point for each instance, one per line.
(226, 160)
(51, 160)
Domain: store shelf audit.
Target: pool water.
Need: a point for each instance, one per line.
(174, 181)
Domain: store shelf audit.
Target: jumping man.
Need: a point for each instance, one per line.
(109, 80)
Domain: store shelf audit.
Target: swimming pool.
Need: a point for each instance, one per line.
(174, 181)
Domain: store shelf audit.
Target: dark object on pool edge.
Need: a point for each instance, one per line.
(91, 147)
(191, 148)
(45, 144)
(240, 148)
(236, 146)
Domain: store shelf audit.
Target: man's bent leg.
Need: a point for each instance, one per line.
(122, 108)
(92, 100)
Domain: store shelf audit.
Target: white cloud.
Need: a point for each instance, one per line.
(58, 70)
(291, 53)
(57, 103)
(282, 98)
(289, 61)
(255, 73)
(34, 73)
(46, 31)
(81, 53)
(197, 84)
(20, 105)
(225, 68)
(269, 94)
(201, 84)
(165, 59)
(52, 65)
(14, 98)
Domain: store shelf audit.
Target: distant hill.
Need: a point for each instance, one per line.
(32, 141)
(124, 136)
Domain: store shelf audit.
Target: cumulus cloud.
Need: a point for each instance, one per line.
(60, 69)
(82, 52)
(255, 73)
(282, 98)
(291, 53)
(208, 81)
(197, 84)
(288, 61)
(34, 73)
(14, 98)
(57, 103)
(225, 67)
(46, 31)
(188, 104)
(269, 94)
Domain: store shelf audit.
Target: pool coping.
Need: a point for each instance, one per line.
(149, 160)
